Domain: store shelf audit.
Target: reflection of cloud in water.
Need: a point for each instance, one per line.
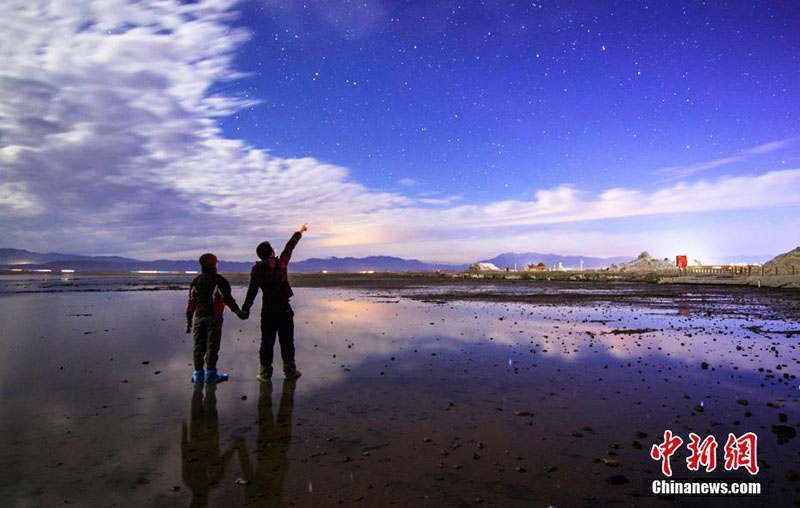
(108, 417)
(373, 327)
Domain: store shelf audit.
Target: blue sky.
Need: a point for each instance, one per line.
(446, 131)
(468, 98)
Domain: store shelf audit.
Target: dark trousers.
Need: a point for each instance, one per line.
(277, 319)
(207, 334)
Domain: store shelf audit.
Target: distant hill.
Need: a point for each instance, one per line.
(25, 257)
(18, 258)
(787, 263)
(376, 263)
(522, 259)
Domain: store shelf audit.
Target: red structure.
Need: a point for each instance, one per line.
(681, 261)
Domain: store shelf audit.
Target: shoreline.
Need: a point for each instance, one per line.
(396, 280)
(709, 294)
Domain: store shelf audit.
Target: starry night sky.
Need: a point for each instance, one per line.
(439, 130)
(488, 99)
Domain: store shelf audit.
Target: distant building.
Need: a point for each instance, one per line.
(539, 267)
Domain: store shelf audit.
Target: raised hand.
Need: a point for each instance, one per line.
(304, 227)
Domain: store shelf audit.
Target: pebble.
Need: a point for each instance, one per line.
(617, 479)
(784, 433)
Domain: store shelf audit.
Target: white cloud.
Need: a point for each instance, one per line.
(565, 204)
(679, 172)
(15, 200)
(109, 143)
(108, 127)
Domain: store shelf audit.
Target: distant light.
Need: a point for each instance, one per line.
(190, 271)
(16, 269)
(67, 271)
(148, 272)
(324, 271)
(43, 270)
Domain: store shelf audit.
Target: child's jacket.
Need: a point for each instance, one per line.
(208, 295)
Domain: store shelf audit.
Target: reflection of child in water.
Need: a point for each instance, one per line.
(264, 485)
(203, 465)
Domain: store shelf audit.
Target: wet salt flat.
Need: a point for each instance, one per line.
(428, 402)
(60, 283)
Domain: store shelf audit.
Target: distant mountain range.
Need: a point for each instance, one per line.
(522, 259)
(509, 259)
(376, 263)
(18, 258)
(25, 257)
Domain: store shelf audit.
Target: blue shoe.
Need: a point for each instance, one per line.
(197, 376)
(212, 376)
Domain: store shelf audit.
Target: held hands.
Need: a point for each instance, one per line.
(243, 314)
(304, 228)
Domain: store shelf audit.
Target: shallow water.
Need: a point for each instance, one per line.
(401, 402)
(63, 283)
